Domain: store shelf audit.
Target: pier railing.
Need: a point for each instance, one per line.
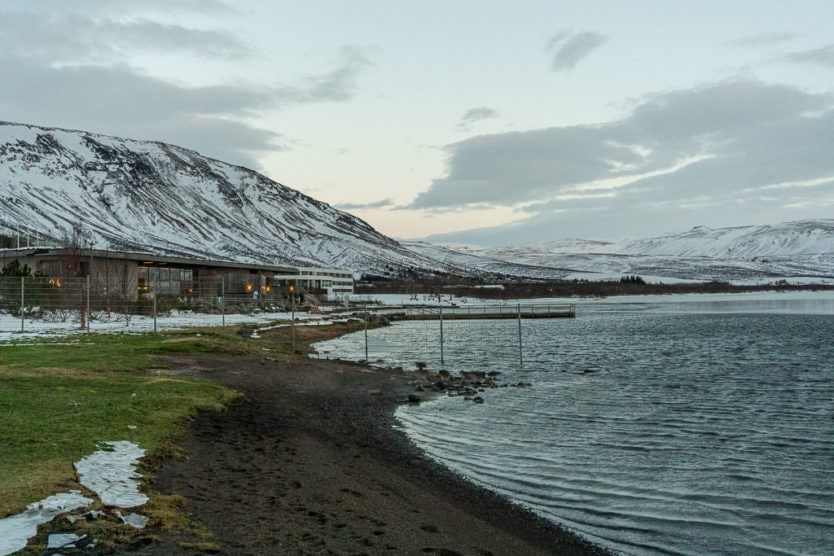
(504, 311)
(434, 337)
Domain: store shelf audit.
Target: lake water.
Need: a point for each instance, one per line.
(658, 425)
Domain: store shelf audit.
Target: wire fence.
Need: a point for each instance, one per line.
(472, 337)
(477, 337)
(55, 305)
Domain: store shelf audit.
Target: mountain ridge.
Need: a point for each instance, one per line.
(798, 249)
(153, 196)
(163, 198)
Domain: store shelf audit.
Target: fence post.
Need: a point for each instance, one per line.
(22, 300)
(292, 323)
(520, 349)
(154, 310)
(222, 303)
(366, 335)
(89, 312)
(442, 360)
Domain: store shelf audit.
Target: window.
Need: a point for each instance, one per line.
(165, 281)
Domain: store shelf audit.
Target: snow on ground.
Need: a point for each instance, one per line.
(10, 327)
(109, 472)
(16, 530)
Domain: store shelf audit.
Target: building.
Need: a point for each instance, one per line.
(333, 283)
(130, 275)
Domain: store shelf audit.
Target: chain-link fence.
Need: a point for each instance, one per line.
(482, 337)
(41, 305)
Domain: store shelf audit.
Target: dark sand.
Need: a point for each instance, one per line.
(309, 462)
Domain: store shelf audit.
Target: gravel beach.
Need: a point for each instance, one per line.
(310, 461)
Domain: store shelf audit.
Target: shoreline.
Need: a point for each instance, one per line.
(311, 460)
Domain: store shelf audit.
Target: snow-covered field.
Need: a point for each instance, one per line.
(10, 326)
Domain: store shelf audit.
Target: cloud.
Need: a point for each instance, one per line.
(336, 85)
(764, 39)
(475, 115)
(71, 68)
(72, 37)
(384, 203)
(108, 7)
(720, 143)
(823, 56)
(663, 130)
(121, 101)
(568, 49)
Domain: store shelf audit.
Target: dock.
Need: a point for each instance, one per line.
(484, 312)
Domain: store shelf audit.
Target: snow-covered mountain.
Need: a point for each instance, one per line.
(150, 196)
(803, 249)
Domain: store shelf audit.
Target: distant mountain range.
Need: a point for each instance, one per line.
(799, 250)
(155, 197)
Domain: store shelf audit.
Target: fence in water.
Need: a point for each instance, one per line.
(35, 304)
(436, 338)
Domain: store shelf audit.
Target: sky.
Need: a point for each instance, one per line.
(473, 121)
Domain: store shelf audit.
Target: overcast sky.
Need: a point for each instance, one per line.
(482, 121)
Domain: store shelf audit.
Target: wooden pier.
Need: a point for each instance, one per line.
(484, 312)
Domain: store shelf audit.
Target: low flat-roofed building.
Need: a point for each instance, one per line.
(334, 283)
(131, 274)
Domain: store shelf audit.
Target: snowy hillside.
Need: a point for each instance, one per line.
(781, 240)
(151, 196)
(752, 253)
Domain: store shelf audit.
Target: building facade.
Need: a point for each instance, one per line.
(130, 275)
(334, 284)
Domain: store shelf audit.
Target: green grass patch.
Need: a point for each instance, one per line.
(59, 399)
(121, 352)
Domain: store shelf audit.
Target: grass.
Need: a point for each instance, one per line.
(58, 400)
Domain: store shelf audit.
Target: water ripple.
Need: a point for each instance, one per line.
(695, 433)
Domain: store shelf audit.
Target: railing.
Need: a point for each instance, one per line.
(494, 311)
(425, 337)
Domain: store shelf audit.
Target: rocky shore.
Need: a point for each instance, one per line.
(310, 461)
(469, 384)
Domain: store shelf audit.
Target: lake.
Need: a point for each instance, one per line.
(685, 425)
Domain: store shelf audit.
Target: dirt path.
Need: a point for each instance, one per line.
(308, 463)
